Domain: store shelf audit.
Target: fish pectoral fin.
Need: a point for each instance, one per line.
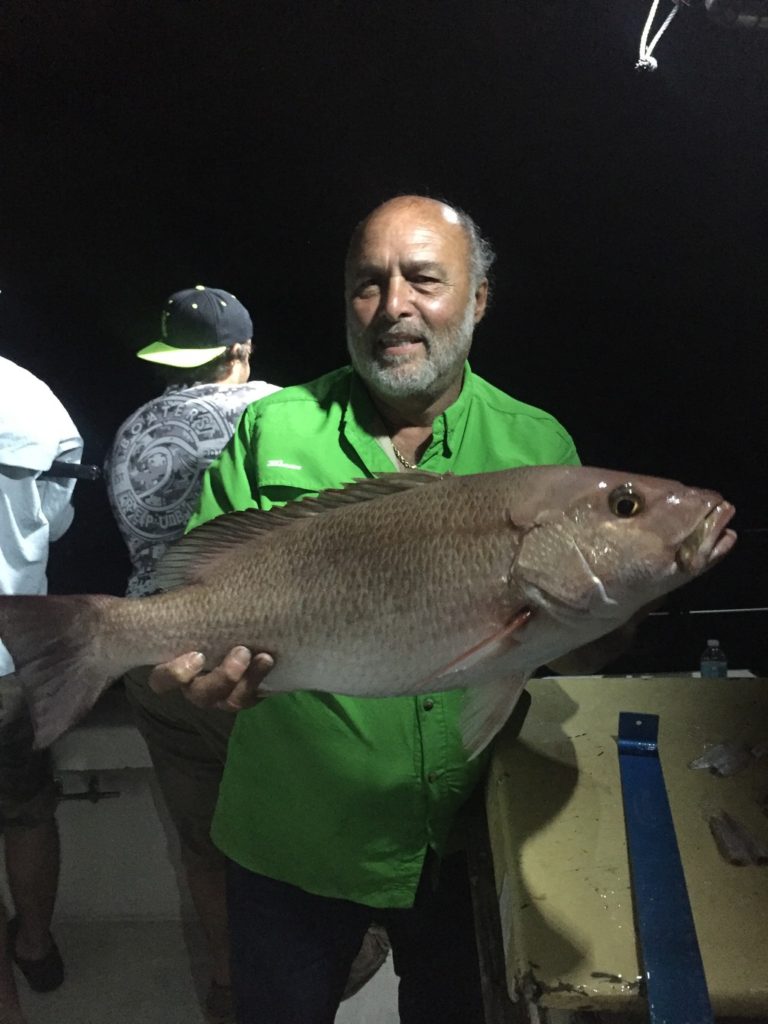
(487, 707)
(492, 646)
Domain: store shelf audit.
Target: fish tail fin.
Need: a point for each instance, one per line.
(60, 663)
(487, 707)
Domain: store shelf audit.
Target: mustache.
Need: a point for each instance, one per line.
(401, 333)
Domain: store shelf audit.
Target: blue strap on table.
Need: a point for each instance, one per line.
(671, 961)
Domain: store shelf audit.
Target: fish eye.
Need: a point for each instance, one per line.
(624, 502)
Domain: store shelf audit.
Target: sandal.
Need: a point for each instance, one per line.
(43, 975)
(218, 1004)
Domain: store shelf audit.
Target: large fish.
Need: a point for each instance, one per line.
(405, 584)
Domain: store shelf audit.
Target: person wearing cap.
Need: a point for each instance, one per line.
(161, 451)
(153, 473)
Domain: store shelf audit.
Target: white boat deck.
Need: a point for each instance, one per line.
(153, 972)
(132, 948)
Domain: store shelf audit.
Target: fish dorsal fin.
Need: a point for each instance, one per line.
(195, 556)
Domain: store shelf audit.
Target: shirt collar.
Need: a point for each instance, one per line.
(361, 422)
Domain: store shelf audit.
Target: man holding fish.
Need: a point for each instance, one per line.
(335, 810)
(416, 284)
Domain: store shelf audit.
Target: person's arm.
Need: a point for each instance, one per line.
(56, 494)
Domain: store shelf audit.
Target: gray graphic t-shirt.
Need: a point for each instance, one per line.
(155, 468)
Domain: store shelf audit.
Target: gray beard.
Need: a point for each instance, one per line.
(398, 377)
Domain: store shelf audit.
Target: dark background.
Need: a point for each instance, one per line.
(149, 146)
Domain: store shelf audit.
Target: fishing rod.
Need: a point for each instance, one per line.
(67, 470)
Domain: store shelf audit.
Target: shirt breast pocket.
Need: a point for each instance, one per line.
(279, 484)
(298, 474)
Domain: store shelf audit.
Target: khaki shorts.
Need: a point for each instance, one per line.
(28, 792)
(188, 747)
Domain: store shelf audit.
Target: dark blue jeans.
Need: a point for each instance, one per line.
(291, 950)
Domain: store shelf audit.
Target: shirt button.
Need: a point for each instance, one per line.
(428, 704)
(432, 777)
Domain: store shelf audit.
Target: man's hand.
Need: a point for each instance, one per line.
(231, 686)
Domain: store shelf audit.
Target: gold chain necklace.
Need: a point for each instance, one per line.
(401, 458)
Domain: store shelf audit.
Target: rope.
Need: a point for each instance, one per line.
(646, 60)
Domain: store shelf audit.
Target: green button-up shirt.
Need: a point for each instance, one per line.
(342, 796)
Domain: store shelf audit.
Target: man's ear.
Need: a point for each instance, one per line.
(481, 300)
(240, 351)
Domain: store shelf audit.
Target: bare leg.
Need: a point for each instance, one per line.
(207, 886)
(32, 864)
(10, 1009)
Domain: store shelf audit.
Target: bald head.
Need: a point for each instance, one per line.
(479, 252)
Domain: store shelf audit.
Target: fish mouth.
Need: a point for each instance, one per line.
(709, 542)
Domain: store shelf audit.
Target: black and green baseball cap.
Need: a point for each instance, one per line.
(198, 324)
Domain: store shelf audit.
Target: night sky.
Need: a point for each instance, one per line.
(147, 147)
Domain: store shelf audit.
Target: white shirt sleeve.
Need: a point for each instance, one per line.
(36, 429)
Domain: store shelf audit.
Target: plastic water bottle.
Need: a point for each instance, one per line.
(713, 664)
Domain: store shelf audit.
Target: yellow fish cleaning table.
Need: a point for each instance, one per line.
(559, 852)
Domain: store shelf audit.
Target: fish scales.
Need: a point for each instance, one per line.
(407, 584)
(371, 586)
